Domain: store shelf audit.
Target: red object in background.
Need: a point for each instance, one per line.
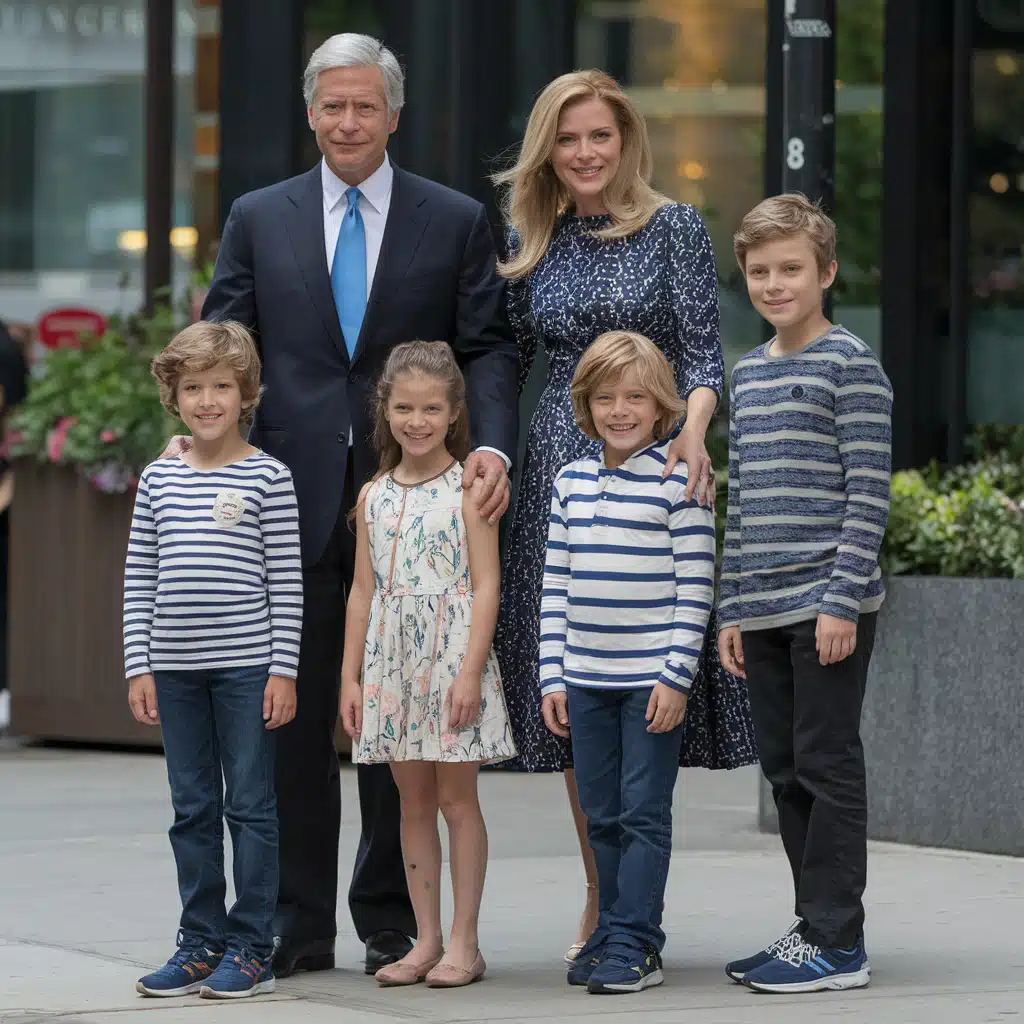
(63, 328)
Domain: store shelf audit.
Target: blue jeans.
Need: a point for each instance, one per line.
(220, 764)
(625, 776)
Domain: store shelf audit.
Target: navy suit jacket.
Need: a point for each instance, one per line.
(435, 280)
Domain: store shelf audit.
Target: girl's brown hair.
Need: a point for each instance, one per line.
(535, 197)
(432, 359)
(606, 360)
(200, 347)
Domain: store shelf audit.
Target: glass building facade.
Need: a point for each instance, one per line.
(930, 247)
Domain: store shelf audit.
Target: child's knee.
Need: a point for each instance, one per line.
(458, 803)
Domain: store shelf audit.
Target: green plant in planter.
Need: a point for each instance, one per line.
(96, 406)
(967, 521)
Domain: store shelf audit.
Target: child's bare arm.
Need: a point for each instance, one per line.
(357, 621)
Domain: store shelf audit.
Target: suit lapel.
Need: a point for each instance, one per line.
(306, 232)
(408, 215)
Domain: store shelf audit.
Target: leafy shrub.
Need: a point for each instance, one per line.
(967, 521)
(96, 407)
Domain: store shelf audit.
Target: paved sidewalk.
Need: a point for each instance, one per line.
(87, 901)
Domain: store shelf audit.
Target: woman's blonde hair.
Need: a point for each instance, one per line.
(200, 347)
(606, 360)
(535, 197)
(432, 359)
(784, 216)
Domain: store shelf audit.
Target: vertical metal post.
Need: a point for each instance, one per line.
(801, 101)
(959, 228)
(809, 100)
(159, 183)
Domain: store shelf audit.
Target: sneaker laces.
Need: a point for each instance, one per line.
(785, 945)
(799, 953)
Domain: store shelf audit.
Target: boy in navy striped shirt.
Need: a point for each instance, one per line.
(809, 470)
(628, 586)
(212, 622)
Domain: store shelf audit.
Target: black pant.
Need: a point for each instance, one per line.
(309, 783)
(807, 724)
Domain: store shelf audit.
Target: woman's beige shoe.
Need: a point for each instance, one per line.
(404, 973)
(452, 976)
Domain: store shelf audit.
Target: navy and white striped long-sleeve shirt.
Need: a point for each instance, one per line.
(213, 577)
(809, 470)
(629, 577)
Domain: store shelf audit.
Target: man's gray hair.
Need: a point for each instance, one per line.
(351, 49)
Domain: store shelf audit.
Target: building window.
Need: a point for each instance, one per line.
(72, 134)
(995, 352)
(860, 55)
(696, 71)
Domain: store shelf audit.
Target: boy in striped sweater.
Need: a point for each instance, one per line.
(809, 469)
(212, 622)
(628, 586)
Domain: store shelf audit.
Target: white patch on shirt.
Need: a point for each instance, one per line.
(228, 508)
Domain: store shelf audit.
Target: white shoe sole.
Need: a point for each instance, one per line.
(258, 989)
(168, 993)
(647, 981)
(834, 983)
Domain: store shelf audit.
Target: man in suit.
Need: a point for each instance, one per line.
(332, 269)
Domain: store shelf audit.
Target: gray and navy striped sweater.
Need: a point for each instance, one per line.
(809, 470)
(213, 577)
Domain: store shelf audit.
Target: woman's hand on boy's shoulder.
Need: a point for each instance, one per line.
(689, 448)
(279, 701)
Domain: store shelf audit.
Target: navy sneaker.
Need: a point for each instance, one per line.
(807, 968)
(739, 969)
(240, 975)
(625, 971)
(183, 974)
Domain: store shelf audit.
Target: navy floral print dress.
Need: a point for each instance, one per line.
(660, 282)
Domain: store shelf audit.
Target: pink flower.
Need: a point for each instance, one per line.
(108, 436)
(57, 437)
(388, 703)
(450, 742)
(422, 684)
(371, 690)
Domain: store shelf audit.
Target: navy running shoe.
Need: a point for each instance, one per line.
(739, 969)
(240, 975)
(807, 968)
(623, 971)
(183, 974)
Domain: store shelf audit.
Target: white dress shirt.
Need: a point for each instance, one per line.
(374, 203)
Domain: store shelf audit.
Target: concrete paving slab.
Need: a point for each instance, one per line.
(88, 902)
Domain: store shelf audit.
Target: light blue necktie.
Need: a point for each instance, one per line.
(348, 272)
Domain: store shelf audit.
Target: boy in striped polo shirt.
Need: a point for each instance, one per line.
(809, 470)
(212, 623)
(628, 586)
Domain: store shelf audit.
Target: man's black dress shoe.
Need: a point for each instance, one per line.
(291, 955)
(383, 948)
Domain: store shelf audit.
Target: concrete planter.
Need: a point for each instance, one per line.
(943, 722)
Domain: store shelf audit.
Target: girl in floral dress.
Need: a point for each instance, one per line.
(421, 617)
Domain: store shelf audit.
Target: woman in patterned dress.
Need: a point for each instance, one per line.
(593, 248)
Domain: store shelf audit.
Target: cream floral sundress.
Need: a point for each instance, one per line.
(419, 630)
